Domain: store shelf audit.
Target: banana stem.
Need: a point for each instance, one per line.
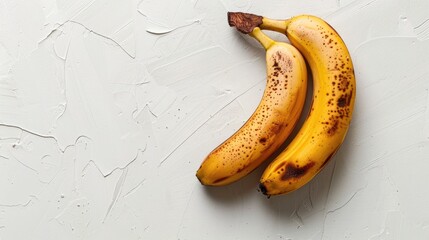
(274, 25)
(265, 41)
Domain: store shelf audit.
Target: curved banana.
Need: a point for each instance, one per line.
(270, 124)
(331, 111)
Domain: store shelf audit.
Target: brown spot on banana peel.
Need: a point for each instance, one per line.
(244, 22)
(291, 171)
(344, 81)
(273, 130)
(345, 100)
(334, 127)
(276, 66)
(342, 101)
(294, 172)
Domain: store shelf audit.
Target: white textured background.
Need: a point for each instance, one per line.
(107, 108)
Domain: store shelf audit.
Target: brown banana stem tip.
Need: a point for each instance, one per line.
(244, 22)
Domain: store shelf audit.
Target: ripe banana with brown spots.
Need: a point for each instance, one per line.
(271, 123)
(331, 111)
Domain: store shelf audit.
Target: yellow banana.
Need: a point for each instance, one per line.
(331, 111)
(270, 124)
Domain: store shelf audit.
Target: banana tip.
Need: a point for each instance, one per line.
(263, 190)
(200, 178)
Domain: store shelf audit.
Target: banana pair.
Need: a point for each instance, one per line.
(281, 105)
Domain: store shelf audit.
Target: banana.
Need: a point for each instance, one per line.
(271, 123)
(334, 91)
